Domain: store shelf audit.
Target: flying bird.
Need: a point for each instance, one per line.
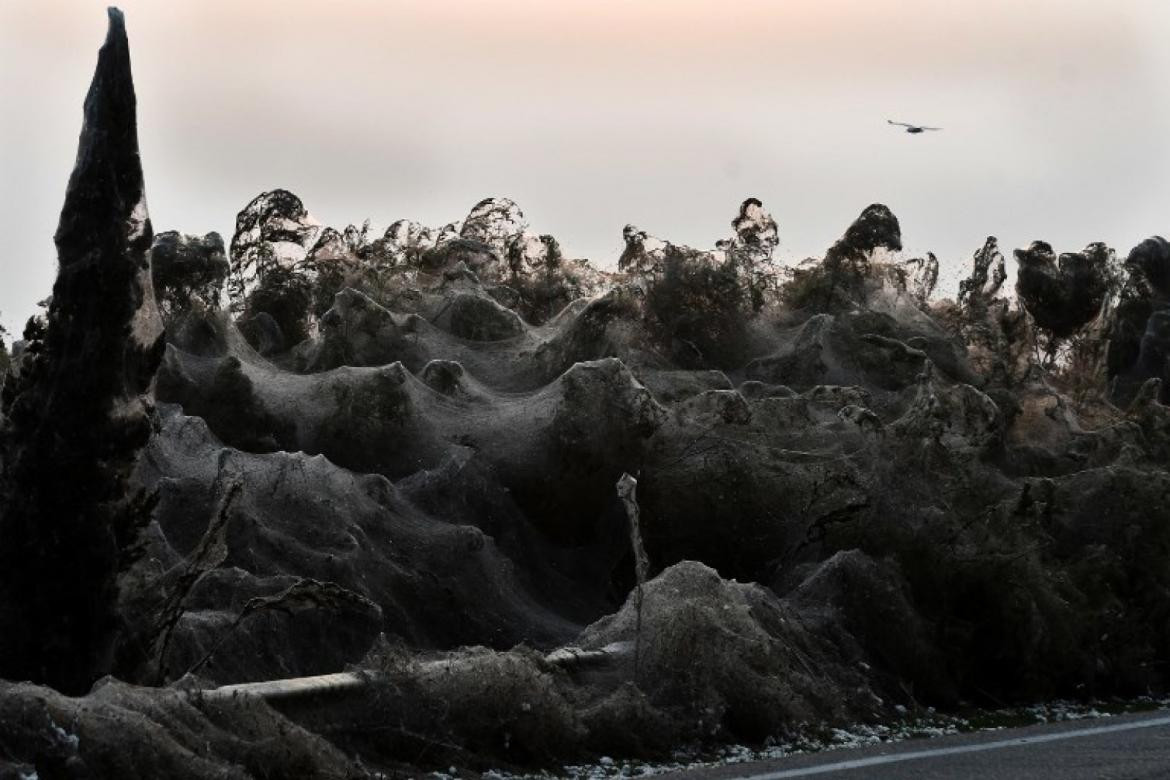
(913, 128)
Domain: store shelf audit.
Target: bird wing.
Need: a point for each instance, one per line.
(912, 127)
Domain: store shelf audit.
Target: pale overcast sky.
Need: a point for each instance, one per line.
(595, 113)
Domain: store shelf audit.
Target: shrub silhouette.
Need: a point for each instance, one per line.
(698, 310)
(285, 295)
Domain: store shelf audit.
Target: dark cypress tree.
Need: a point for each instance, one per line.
(79, 411)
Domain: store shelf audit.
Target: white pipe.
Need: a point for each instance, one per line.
(276, 691)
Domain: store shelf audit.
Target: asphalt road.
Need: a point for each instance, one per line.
(1126, 746)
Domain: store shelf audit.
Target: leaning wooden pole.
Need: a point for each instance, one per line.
(627, 488)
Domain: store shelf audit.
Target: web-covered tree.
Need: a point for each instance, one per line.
(286, 295)
(838, 282)
(78, 413)
(5, 358)
(698, 309)
(187, 271)
(1063, 294)
(546, 288)
(1136, 333)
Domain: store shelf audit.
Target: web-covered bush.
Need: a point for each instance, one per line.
(698, 310)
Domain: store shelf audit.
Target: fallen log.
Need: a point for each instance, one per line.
(276, 692)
